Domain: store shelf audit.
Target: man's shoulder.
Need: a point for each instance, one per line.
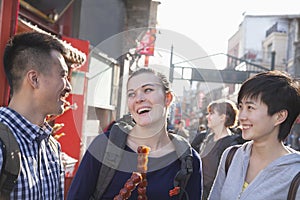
(9, 117)
(3, 114)
(5, 110)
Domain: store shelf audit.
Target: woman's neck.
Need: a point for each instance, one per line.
(221, 132)
(158, 140)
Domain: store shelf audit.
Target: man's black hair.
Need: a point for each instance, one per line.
(26, 51)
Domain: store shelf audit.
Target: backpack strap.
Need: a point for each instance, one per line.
(112, 157)
(11, 161)
(185, 155)
(294, 187)
(229, 158)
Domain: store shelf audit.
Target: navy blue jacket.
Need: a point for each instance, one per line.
(160, 175)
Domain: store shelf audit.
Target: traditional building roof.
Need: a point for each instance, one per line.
(73, 55)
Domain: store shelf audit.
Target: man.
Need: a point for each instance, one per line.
(180, 129)
(38, 77)
(269, 104)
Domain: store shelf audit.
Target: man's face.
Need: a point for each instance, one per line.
(55, 86)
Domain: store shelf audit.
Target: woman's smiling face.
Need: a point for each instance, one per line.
(146, 99)
(255, 121)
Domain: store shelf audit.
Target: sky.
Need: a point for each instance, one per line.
(211, 23)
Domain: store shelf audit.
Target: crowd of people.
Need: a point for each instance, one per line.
(178, 166)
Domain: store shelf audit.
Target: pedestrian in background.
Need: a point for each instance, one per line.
(181, 130)
(221, 116)
(264, 167)
(38, 78)
(201, 134)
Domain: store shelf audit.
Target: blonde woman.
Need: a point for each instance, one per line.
(148, 98)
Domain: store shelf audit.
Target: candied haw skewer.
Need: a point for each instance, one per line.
(143, 152)
(137, 178)
(129, 186)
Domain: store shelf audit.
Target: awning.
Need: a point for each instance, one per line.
(73, 55)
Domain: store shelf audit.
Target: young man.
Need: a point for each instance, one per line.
(38, 77)
(264, 167)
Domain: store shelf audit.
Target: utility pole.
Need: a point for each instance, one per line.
(171, 73)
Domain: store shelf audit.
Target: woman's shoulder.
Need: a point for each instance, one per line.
(98, 145)
(244, 148)
(292, 160)
(99, 139)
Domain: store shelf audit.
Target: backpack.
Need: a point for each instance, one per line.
(11, 165)
(294, 184)
(114, 150)
(11, 161)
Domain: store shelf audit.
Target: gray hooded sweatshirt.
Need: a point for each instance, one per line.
(272, 183)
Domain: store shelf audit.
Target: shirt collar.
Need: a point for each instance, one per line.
(25, 128)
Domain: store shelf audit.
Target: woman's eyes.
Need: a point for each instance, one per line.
(248, 107)
(147, 90)
(130, 95)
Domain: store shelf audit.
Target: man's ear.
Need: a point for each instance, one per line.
(169, 98)
(281, 116)
(33, 78)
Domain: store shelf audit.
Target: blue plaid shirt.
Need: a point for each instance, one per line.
(42, 172)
